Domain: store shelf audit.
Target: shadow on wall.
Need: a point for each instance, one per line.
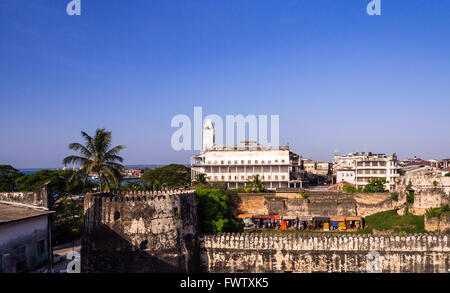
(107, 252)
(107, 248)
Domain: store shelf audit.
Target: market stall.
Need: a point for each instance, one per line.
(338, 223)
(247, 220)
(289, 222)
(354, 223)
(321, 223)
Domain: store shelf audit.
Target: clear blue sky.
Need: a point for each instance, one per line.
(337, 77)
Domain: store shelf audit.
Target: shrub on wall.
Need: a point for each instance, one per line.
(394, 196)
(410, 197)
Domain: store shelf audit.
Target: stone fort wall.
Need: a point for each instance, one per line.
(317, 204)
(140, 232)
(261, 253)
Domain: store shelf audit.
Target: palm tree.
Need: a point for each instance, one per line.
(200, 179)
(97, 156)
(256, 184)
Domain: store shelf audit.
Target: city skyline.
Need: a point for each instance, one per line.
(338, 78)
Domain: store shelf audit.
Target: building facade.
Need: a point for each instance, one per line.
(346, 175)
(317, 167)
(366, 166)
(277, 167)
(25, 232)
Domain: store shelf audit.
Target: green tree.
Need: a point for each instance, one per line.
(60, 182)
(173, 175)
(256, 185)
(200, 179)
(375, 185)
(67, 222)
(8, 177)
(348, 188)
(216, 213)
(98, 156)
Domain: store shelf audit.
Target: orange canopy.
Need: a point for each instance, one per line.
(244, 216)
(353, 219)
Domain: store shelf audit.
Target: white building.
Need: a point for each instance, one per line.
(346, 175)
(277, 167)
(25, 232)
(364, 166)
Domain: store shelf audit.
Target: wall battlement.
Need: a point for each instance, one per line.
(140, 232)
(260, 253)
(320, 242)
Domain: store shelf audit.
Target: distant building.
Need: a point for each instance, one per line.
(364, 166)
(444, 163)
(346, 175)
(277, 167)
(25, 238)
(317, 167)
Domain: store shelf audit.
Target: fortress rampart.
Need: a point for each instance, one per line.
(260, 253)
(157, 232)
(140, 232)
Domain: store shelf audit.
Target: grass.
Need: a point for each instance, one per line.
(391, 221)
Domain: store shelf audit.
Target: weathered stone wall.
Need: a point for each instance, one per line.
(140, 232)
(325, 204)
(260, 253)
(437, 224)
(431, 189)
(37, 198)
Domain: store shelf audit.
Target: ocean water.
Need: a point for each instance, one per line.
(143, 166)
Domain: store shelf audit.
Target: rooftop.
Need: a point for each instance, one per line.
(10, 213)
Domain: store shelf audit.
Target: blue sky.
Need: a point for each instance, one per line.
(338, 78)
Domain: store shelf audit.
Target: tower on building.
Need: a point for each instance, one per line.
(208, 135)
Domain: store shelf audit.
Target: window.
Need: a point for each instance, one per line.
(41, 255)
(21, 259)
(249, 161)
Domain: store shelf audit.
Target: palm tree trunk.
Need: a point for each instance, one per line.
(100, 181)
